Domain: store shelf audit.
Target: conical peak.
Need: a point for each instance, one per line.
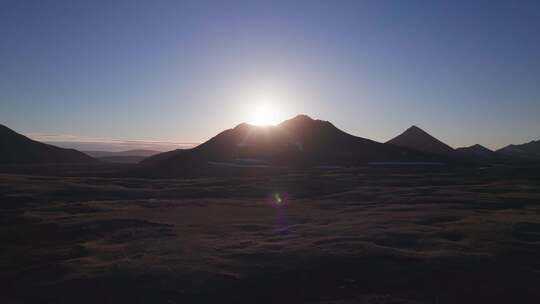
(418, 139)
(415, 129)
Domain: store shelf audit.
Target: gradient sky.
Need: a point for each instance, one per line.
(467, 72)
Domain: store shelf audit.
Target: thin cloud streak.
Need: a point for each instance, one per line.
(104, 144)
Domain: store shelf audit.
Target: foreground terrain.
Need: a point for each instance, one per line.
(365, 235)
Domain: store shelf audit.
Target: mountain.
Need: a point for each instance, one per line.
(477, 151)
(141, 153)
(128, 157)
(530, 150)
(122, 159)
(161, 156)
(19, 149)
(300, 141)
(418, 139)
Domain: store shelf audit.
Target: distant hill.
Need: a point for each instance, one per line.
(128, 157)
(19, 149)
(477, 152)
(162, 156)
(298, 141)
(418, 139)
(530, 150)
(122, 159)
(141, 153)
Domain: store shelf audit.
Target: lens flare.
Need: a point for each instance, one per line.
(277, 199)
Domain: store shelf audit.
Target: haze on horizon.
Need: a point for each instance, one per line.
(182, 71)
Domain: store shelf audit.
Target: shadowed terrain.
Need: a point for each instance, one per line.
(297, 142)
(530, 150)
(365, 235)
(18, 149)
(128, 156)
(479, 152)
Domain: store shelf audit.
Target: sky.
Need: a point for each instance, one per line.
(182, 71)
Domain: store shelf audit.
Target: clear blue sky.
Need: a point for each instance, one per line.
(467, 72)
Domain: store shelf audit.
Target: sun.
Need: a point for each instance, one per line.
(264, 115)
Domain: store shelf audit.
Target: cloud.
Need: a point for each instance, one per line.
(103, 144)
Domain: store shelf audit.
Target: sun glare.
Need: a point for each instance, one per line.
(264, 115)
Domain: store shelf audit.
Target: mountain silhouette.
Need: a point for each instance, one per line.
(527, 150)
(477, 151)
(19, 149)
(134, 152)
(162, 156)
(127, 157)
(418, 139)
(300, 141)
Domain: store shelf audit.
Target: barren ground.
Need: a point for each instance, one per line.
(368, 235)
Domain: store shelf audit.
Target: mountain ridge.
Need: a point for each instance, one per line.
(529, 150)
(133, 152)
(299, 141)
(19, 149)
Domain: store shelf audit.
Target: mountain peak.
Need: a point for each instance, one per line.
(479, 146)
(243, 125)
(300, 118)
(476, 151)
(418, 139)
(303, 123)
(415, 129)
